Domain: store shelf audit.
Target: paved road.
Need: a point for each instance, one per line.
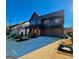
(19, 49)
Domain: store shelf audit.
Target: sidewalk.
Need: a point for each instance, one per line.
(47, 52)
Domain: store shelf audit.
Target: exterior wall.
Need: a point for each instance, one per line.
(50, 31)
(52, 27)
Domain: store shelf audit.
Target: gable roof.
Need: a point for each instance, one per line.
(35, 15)
(56, 13)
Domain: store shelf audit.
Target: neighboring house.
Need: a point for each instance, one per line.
(19, 29)
(15, 28)
(48, 25)
(68, 30)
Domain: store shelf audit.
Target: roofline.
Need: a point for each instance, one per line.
(47, 14)
(52, 12)
(32, 15)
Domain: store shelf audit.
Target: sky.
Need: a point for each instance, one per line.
(22, 10)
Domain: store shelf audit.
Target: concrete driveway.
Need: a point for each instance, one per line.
(19, 49)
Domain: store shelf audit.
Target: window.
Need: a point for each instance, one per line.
(57, 20)
(38, 22)
(32, 22)
(46, 21)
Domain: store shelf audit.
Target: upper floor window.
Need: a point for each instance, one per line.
(46, 21)
(38, 22)
(32, 22)
(57, 20)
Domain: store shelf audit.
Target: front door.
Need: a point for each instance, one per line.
(35, 31)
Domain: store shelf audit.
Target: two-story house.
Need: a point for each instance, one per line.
(48, 25)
